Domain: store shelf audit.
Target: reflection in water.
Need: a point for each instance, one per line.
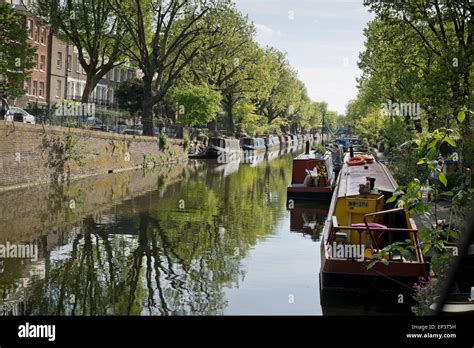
(308, 219)
(145, 244)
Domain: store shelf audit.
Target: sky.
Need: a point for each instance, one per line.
(322, 38)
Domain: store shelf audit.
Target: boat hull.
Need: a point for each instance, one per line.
(308, 193)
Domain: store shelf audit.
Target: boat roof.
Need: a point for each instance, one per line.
(312, 156)
(352, 176)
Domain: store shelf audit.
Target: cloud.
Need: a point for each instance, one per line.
(267, 35)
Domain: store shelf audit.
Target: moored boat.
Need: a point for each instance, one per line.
(253, 144)
(312, 177)
(359, 225)
(227, 149)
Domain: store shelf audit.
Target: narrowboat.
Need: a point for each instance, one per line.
(360, 223)
(347, 142)
(224, 149)
(272, 142)
(253, 144)
(312, 177)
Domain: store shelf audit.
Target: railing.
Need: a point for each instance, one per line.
(377, 230)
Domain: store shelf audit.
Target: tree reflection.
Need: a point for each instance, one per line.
(168, 252)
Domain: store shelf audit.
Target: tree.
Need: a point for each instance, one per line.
(196, 105)
(445, 31)
(284, 90)
(161, 32)
(16, 55)
(234, 69)
(92, 27)
(129, 95)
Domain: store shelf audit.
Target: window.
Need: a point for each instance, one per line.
(29, 28)
(43, 36)
(77, 64)
(27, 86)
(78, 89)
(42, 62)
(41, 89)
(35, 88)
(36, 62)
(117, 75)
(58, 88)
(124, 75)
(112, 72)
(37, 33)
(111, 95)
(68, 63)
(59, 61)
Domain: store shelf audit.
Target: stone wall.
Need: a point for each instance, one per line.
(31, 154)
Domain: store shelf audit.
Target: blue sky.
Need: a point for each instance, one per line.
(323, 39)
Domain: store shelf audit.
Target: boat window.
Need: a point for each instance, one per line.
(215, 142)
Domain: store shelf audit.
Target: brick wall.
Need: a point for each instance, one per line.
(30, 155)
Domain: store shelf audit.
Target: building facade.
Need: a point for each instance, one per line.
(57, 73)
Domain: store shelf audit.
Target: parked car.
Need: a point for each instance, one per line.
(134, 130)
(20, 115)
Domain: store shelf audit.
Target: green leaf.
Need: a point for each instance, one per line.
(461, 116)
(384, 261)
(450, 141)
(406, 254)
(426, 249)
(372, 264)
(448, 193)
(442, 179)
(420, 161)
(392, 199)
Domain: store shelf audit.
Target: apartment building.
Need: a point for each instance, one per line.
(57, 69)
(37, 85)
(58, 74)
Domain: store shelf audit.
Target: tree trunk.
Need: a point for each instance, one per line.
(230, 115)
(147, 112)
(88, 88)
(212, 126)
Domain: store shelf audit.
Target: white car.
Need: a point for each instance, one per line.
(18, 114)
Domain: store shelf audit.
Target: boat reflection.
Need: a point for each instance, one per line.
(228, 168)
(253, 158)
(308, 219)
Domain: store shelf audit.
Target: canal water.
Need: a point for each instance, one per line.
(200, 238)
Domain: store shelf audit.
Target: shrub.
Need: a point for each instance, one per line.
(163, 141)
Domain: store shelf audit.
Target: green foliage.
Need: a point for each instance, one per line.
(93, 28)
(16, 54)
(163, 141)
(186, 141)
(129, 96)
(196, 105)
(369, 127)
(319, 149)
